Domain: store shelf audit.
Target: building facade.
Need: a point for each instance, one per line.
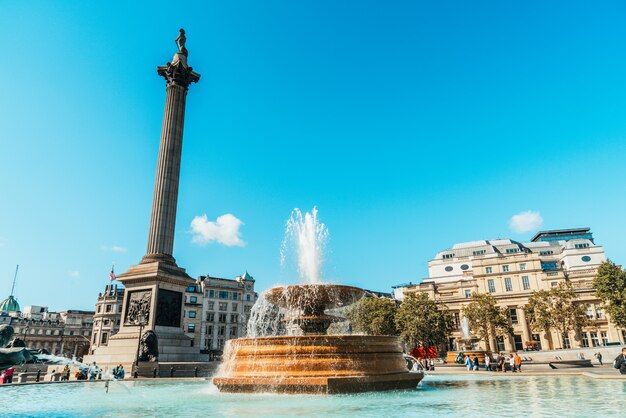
(106, 320)
(66, 333)
(511, 271)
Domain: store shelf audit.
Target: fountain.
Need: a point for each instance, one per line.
(469, 344)
(312, 361)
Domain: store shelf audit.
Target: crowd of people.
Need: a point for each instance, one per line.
(501, 363)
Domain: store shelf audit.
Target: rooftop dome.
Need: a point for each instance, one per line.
(9, 305)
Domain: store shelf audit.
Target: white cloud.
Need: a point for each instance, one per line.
(526, 221)
(225, 230)
(74, 273)
(114, 249)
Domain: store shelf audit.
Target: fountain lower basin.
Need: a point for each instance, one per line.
(316, 364)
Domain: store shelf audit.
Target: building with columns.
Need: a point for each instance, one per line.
(511, 271)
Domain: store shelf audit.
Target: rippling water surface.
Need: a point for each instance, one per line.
(458, 395)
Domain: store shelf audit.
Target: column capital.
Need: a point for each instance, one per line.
(178, 72)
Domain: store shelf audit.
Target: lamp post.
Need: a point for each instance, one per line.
(141, 321)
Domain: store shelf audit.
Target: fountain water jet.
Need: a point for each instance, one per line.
(312, 362)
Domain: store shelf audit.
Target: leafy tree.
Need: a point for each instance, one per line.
(421, 322)
(486, 318)
(610, 286)
(373, 316)
(557, 309)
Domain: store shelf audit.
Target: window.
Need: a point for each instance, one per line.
(585, 339)
(488, 270)
(192, 314)
(586, 258)
(491, 285)
(48, 332)
(193, 299)
(549, 266)
(106, 322)
(233, 332)
(553, 284)
(548, 252)
(599, 312)
(222, 318)
(478, 252)
(500, 343)
(209, 330)
(107, 308)
(235, 295)
(566, 343)
(119, 308)
(234, 318)
(457, 320)
(210, 317)
(464, 267)
(448, 268)
(605, 337)
(212, 294)
(513, 315)
(525, 282)
(508, 285)
(99, 308)
(221, 331)
(594, 339)
(223, 306)
(234, 307)
(468, 293)
(505, 269)
(105, 338)
(248, 298)
(191, 327)
(191, 288)
(445, 256)
(512, 250)
(590, 311)
(579, 246)
(220, 343)
(522, 266)
(210, 305)
(517, 340)
(222, 294)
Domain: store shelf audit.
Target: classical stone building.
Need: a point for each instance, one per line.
(511, 271)
(66, 333)
(106, 320)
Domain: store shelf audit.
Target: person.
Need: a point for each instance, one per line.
(93, 371)
(8, 375)
(114, 372)
(476, 363)
(620, 362)
(432, 364)
(518, 362)
(468, 363)
(512, 362)
(488, 363)
(120, 372)
(66, 373)
(599, 357)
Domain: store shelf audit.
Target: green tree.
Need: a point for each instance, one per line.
(610, 286)
(422, 322)
(373, 316)
(486, 318)
(558, 309)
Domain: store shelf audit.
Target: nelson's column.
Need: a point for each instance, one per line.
(154, 288)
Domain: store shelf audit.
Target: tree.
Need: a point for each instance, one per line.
(373, 316)
(486, 318)
(421, 322)
(557, 309)
(610, 286)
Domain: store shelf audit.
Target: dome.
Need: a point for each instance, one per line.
(9, 305)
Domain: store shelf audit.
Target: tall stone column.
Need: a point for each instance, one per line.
(178, 76)
(526, 334)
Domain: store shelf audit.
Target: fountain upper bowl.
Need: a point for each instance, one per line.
(303, 296)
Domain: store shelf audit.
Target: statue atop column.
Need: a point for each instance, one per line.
(180, 41)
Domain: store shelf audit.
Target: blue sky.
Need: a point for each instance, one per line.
(411, 126)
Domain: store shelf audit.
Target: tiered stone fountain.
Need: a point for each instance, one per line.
(313, 362)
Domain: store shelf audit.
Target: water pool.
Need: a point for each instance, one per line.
(438, 395)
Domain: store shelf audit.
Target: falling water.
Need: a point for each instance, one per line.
(309, 236)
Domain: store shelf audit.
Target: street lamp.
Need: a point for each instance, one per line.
(141, 321)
